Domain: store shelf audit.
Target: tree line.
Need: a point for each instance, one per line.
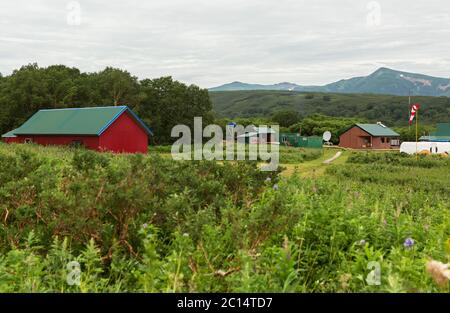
(161, 102)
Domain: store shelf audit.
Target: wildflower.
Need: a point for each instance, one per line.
(268, 179)
(362, 242)
(275, 187)
(185, 235)
(409, 242)
(439, 272)
(145, 225)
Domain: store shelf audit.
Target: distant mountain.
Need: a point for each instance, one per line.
(244, 86)
(382, 81)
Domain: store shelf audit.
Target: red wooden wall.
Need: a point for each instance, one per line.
(90, 142)
(353, 138)
(124, 135)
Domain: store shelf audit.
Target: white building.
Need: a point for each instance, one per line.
(429, 146)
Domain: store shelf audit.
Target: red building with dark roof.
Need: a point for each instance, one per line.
(116, 129)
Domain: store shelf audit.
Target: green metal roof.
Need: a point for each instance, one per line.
(378, 130)
(76, 121)
(435, 138)
(9, 134)
(443, 129)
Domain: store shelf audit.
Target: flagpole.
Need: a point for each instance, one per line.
(417, 122)
(409, 105)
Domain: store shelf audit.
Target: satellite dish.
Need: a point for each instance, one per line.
(326, 136)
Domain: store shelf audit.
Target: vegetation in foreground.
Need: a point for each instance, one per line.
(150, 224)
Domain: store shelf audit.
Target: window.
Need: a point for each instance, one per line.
(28, 140)
(382, 139)
(395, 142)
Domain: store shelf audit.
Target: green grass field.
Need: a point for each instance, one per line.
(368, 222)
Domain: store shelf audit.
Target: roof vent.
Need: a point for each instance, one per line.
(381, 124)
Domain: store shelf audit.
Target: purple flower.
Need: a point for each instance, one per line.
(145, 225)
(409, 242)
(275, 187)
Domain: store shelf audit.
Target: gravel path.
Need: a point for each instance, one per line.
(337, 155)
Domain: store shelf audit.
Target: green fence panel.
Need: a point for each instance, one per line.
(295, 140)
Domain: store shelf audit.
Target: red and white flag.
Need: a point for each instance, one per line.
(414, 109)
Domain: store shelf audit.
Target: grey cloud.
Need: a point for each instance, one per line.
(213, 42)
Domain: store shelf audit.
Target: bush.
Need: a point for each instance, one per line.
(136, 223)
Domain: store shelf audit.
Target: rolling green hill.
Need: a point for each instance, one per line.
(382, 81)
(393, 110)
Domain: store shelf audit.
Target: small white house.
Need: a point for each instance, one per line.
(429, 146)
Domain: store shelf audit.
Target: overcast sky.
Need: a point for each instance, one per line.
(211, 42)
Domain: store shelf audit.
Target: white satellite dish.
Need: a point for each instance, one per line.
(326, 136)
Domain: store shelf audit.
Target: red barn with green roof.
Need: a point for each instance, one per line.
(116, 129)
(369, 136)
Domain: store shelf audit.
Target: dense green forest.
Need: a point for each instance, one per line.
(161, 102)
(392, 110)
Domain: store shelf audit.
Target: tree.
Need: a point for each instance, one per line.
(32, 88)
(286, 118)
(22, 94)
(117, 87)
(61, 84)
(167, 103)
(162, 102)
(409, 133)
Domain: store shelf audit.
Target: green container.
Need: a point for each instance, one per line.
(315, 142)
(295, 140)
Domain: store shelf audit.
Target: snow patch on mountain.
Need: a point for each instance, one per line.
(424, 82)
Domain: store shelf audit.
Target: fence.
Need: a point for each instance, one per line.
(295, 140)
